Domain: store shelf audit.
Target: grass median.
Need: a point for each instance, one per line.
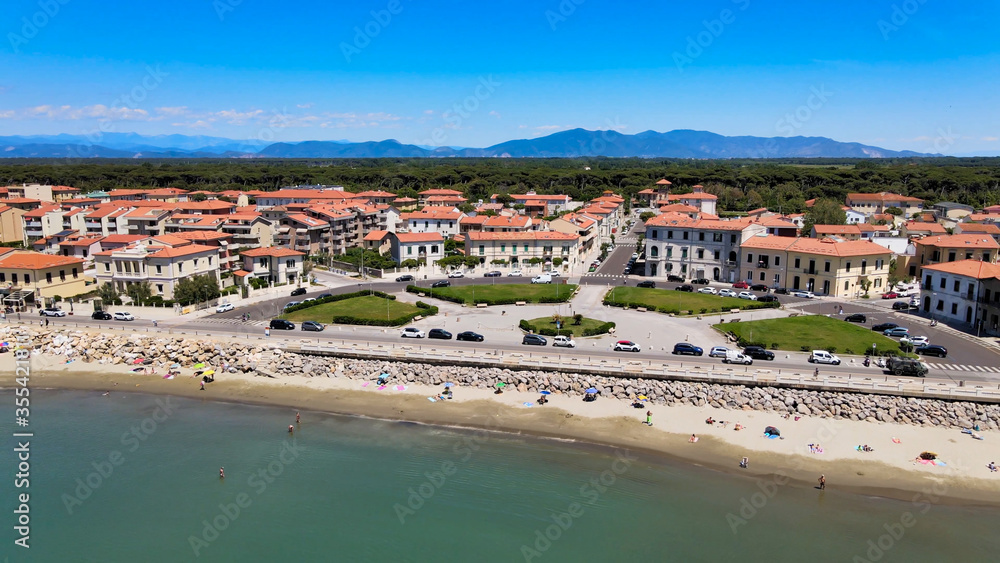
(811, 332)
(673, 301)
(368, 307)
(501, 294)
(547, 326)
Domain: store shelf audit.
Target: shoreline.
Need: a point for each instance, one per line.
(889, 472)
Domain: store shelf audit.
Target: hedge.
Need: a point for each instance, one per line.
(748, 306)
(546, 331)
(425, 310)
(603, 329)
(341, 297)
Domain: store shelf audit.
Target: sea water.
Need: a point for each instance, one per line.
(132, 477)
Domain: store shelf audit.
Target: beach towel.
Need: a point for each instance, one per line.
(771, 436)
(381, 387)
(895, 440)
(168, 376)
(366, 384)
(432, 399)
(401, 388)
(529, 404)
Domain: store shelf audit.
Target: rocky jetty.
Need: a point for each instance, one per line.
(164, 350)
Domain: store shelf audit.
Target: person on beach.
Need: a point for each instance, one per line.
(298, 418)
(46, 322)
(202, 384)
(822, 482)
(649, 418)
(745, 463)
(291, 429)
(693, 439)
(992, 467)
(222, 473)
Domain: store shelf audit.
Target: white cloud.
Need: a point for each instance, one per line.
(6, 114)
(173, 111)
(991, 139)
(304, 106)
(495, 114)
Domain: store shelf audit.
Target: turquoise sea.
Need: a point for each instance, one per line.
(110, 482)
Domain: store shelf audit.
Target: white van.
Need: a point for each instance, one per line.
(564, 341)
(823, 357)
(544, 278)
(736, 357)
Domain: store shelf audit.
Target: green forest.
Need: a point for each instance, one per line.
(740, 184)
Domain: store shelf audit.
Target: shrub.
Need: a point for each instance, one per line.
(704, 310)
(602, 329)
(341, 298)
(774, 345)
(526, 326)
(832, 349)
(804, 348)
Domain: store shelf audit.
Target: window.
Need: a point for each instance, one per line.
(864, 264)
(525, 248)
(48, 277)
(654, 251)
(209, 260)
(75, 274)
(434, 249)
(439, 224)
(954, 308)
(957, 286)
(409, 250)
(847, 285)
(732, 239)
(503, 248)
(777, 260)
(701, 254)
(797, 262)
(159, 288)
(777, 279)
(13, 279)
(670, 234)
(951, 256)
(701, 236)
(942, 282)
(749, 258)
(762, 274)
(684, 253)
(107, 268)
(27, 278)
(828, 267)
(451, 224)
(159, 269)
(716, 237)
(684, 268)
(927, 282)
(968, 255)
(717, 255)
(180, 266)
(482, 249)
(653, 235)
(986, 257)
(685, 235)
(565, 249)
(263, 262)
(670, 251)
(195, 262)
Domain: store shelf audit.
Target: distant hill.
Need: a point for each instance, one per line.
(681, 143)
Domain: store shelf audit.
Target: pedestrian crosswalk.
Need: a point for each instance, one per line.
(960, 367)
(233, 322)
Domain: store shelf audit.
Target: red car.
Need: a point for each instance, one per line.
(741, 285)
(890, 295)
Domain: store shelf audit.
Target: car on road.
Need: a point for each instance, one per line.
(686, 287)
(747, 295)
(700, 281)
(915, 340)
(298, 291)
(441, 283)
(675, 278)
(708, 290)
(635, 255)
(542, 279)
(718, 352)
(685, 348)
(914, 302)
(758, 353)
(781, 291)
(823, 357)
(405, 278)
(469, 336)
(101, 316)
(856, 318)
(741, 285)
(123, 316)
(890, 295)
(768, 299)
(312, 326)
(897, 331)
(760, 287)
(735, 357)
(803, 294)
(552, 273)
(884, 327)
(456, 274)
(291, 304)
(324, 295)
(726, 292)
(564, 341)
(646, 283)
(900, 306)
(493, 274)
(412, 332)
(281, 324)
(626, 346)
(439, 333)
(53, 312)
(225, 307)
(308, 300)
(534, 340)
(514, 274)
(932, 350)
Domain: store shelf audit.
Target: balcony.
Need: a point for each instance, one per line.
(762, 265)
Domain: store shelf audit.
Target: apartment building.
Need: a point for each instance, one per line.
(577, 224)
(437, 192)
(846, 232)
(950, 248)
(11, 223)
(160, 261)
(426, 247)
(964, 292)
(516, 248)
(870, 204)
(696, 248)
(274, 264)
(28, 274)
(441, 220)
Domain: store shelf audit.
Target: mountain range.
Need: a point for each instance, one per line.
(681, 143)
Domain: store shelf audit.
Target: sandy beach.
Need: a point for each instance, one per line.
(890, 470)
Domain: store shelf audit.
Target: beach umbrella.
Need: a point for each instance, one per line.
(928, 455)
(772, 431)
(591, 390)
(643, 398)
(175, 366)
(209, 372)
(199, 365)
(546, 392)
(501, 384)
(449, 384)
(137, 361)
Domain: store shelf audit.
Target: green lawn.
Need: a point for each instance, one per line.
(503, 294)
(811, 332)
(673, 301)
(568, 328)
(365, 307)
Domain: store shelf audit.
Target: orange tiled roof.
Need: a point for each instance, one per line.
(376, 235)
(826, 247)
(837, 229)
(524, 235)
(274, 251)
(975, 269)
(25, 260)
(419, 237)
(959, 241)
(884, 197)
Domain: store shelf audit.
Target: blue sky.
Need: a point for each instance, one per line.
(919, 75)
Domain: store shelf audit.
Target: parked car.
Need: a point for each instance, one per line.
(932, 350)
(412, 332)
(747, 295)
(225, 307)
(768, 299)
(456, 274)
(914, 302)
(646, 283)
(469, 336)
(686, 287)
(685, 348)
(758, 353)
(781, 291)
(298, 291)
(308, 300)
(441, 283)
(324, 295)
(890, 295)
(897, 331)
(123, 316)
(101, 316)
(856, 318)
(544, 278)
(718, 352)
(823, 357)
(741, 285)
(900, 306)
(405, 278)
(726, 292)
(626, 346)
(884, 327)
(312, 326)
(53, 312)
(564, 341)
(493, 274)
(635, 255)
(803, 294)
(439, 333)
(552, 273)
(291, 304)
(735, 357)
(281, 324)
(915, 340)
(675, 278)
(534, 340)
(700, 281)
(514, 274)
(708, 290)
(760, 287)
